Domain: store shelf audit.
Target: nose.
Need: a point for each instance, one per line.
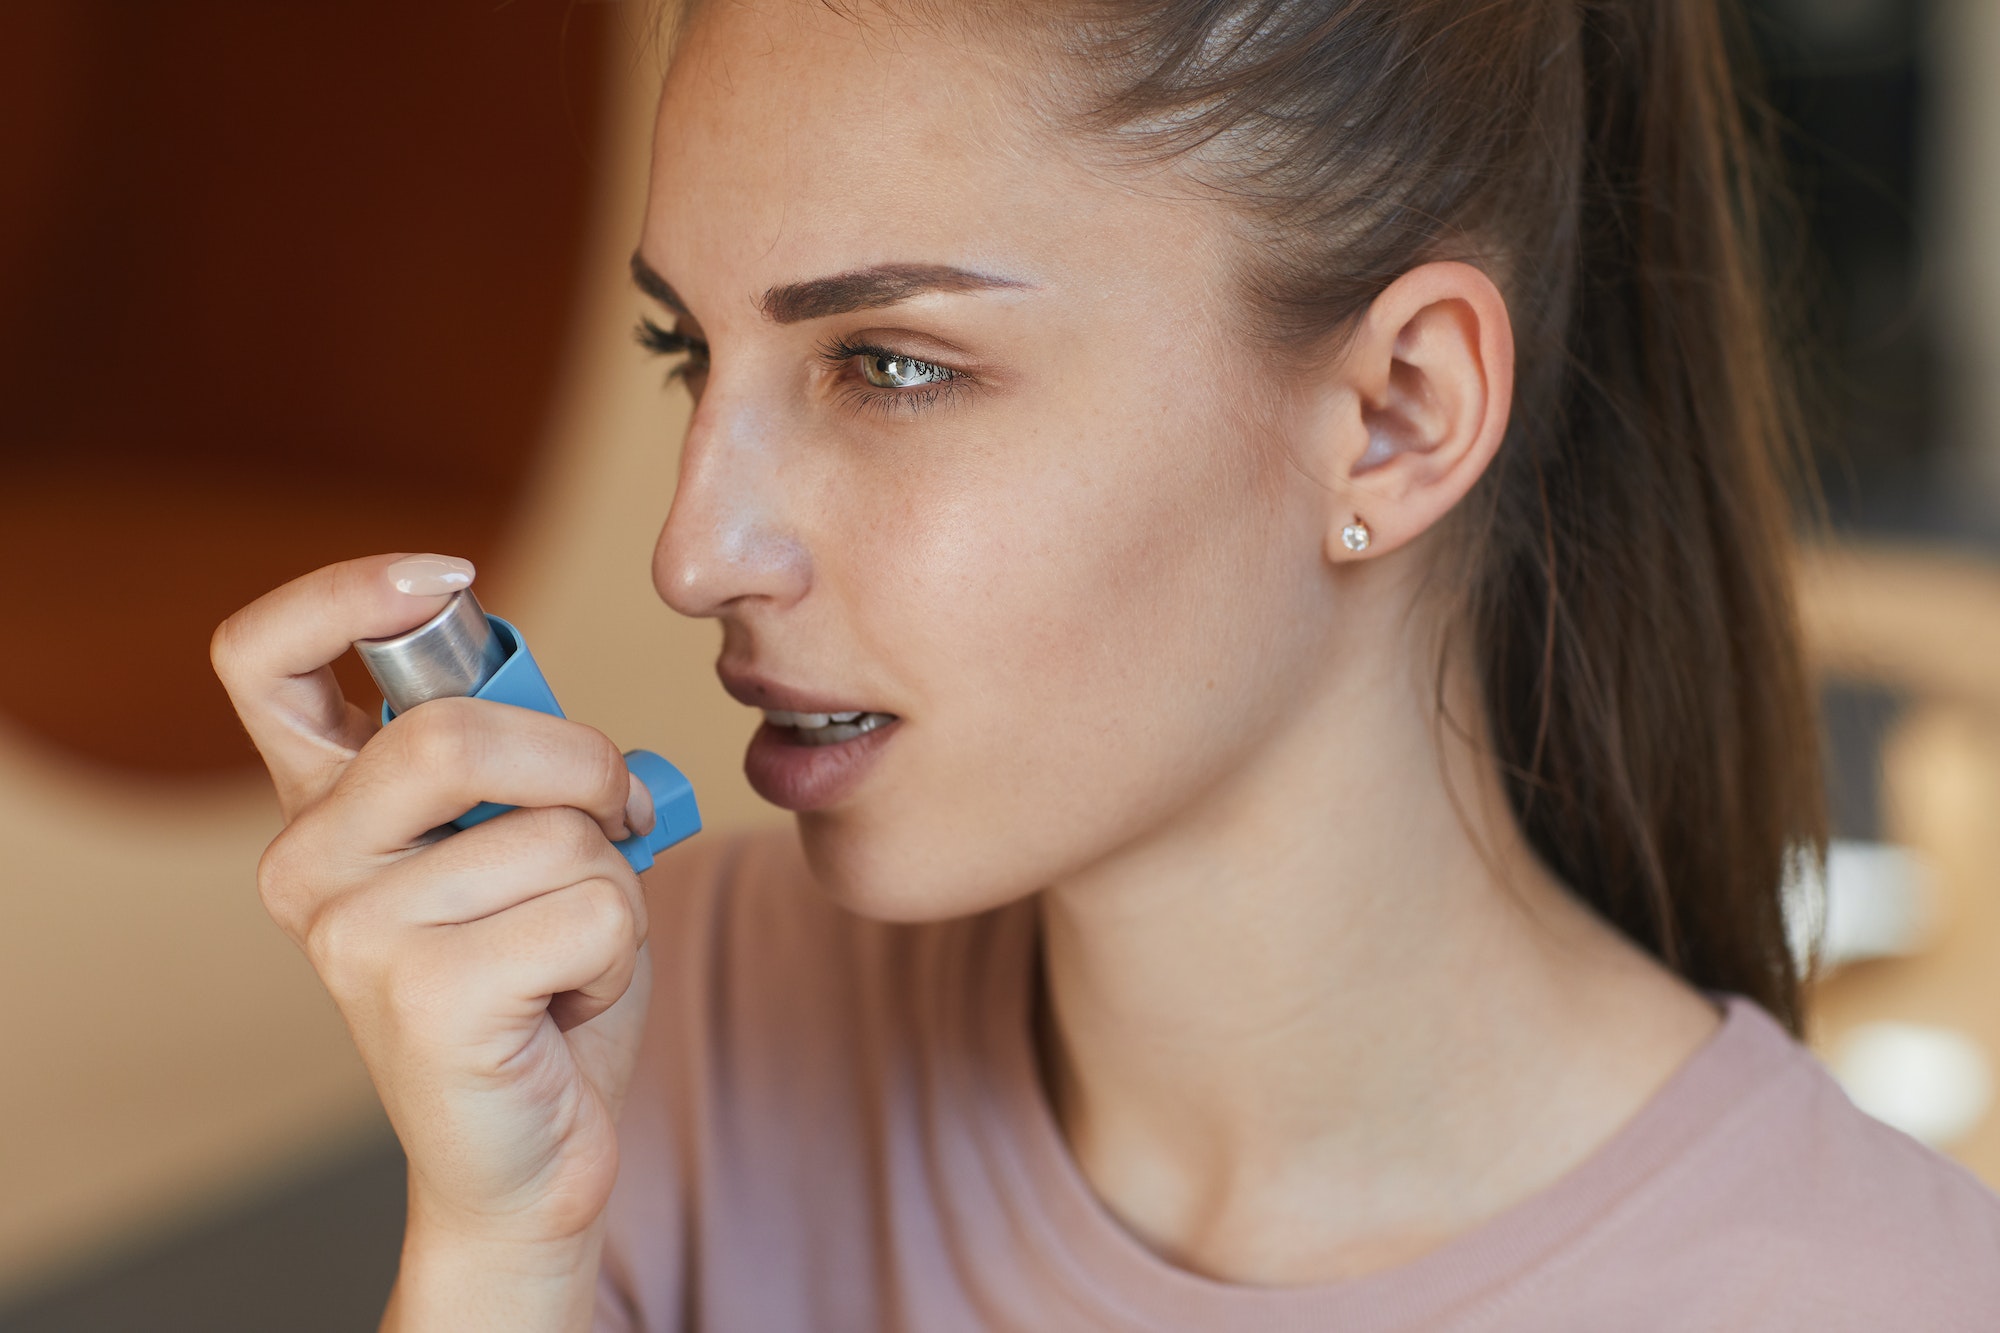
(728, 537)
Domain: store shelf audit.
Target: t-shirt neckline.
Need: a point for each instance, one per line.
(1113, 1269)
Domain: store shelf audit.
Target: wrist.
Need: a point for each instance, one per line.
(451, 1279)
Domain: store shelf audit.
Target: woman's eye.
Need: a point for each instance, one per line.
(889, 381)
(899, 372)
(672, 342)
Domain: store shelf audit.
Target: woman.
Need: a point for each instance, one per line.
(1257, 528)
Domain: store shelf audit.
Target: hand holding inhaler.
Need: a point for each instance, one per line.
(493, 979)
(462, 652)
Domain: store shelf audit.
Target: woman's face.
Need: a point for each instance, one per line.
(1009, 480)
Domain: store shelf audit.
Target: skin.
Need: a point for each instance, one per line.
(1101, 583)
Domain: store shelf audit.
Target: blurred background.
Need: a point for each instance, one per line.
(283, 284)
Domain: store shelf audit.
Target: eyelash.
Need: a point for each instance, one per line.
(671, 342)
(835, 352)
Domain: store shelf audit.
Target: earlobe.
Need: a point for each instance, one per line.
(1431, 370)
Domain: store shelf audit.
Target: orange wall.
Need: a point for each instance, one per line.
(169, 1047)
(278, 284)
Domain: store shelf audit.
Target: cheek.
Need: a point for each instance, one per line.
(1081, 623)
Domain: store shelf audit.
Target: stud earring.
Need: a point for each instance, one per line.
(1355, 536)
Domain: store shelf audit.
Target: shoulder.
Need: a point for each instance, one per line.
(1868, 1184)
(1885, 1212)
(1801, 1197)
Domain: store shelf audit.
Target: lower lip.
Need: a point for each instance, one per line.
(799, 777)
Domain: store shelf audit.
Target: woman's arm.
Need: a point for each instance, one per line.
(494, 981)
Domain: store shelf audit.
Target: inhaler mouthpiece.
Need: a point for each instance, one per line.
(451, 655)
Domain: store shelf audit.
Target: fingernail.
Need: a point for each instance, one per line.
(638, 806)
(430, 575)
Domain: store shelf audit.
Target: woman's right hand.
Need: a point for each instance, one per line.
(494, 980)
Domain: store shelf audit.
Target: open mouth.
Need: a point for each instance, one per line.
(815, 761)
(823, 728)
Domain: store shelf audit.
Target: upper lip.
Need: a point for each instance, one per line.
(757, 691)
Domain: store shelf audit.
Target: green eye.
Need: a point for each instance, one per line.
(899, 372)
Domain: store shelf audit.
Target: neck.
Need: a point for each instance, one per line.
(1342, 1012)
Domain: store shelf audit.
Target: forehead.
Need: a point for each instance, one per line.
(793, 141)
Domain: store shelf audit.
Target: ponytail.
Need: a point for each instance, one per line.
(1642, 665)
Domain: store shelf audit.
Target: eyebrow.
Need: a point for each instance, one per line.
(860, 289)
(655, 286)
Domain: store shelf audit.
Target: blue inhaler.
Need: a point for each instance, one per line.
(463, 651)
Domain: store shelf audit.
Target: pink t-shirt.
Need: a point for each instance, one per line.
(837, 1125)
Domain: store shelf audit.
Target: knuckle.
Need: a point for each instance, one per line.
(335, 942)
(608, 770)
(346, 580)
(607, 911)
(439, 738)
(642, 916)
(571, 835)
(225, 647)
(280, 884)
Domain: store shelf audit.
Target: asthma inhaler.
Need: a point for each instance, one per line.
(463, 651)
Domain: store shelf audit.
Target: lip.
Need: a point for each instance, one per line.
(762, 692)
(799, 777)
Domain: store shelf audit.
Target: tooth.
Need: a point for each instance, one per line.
(778, 717)
(810, 719)
(843, 717)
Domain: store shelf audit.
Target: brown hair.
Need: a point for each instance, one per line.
(1628, 551)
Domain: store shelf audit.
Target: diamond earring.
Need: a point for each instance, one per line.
(1355, 536)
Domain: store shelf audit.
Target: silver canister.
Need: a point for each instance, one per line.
(453, 653)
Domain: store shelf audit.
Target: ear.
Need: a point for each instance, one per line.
(1425, 387)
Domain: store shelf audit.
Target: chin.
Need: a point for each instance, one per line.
(886, 872)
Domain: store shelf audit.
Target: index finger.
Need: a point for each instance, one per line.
(274, 657)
